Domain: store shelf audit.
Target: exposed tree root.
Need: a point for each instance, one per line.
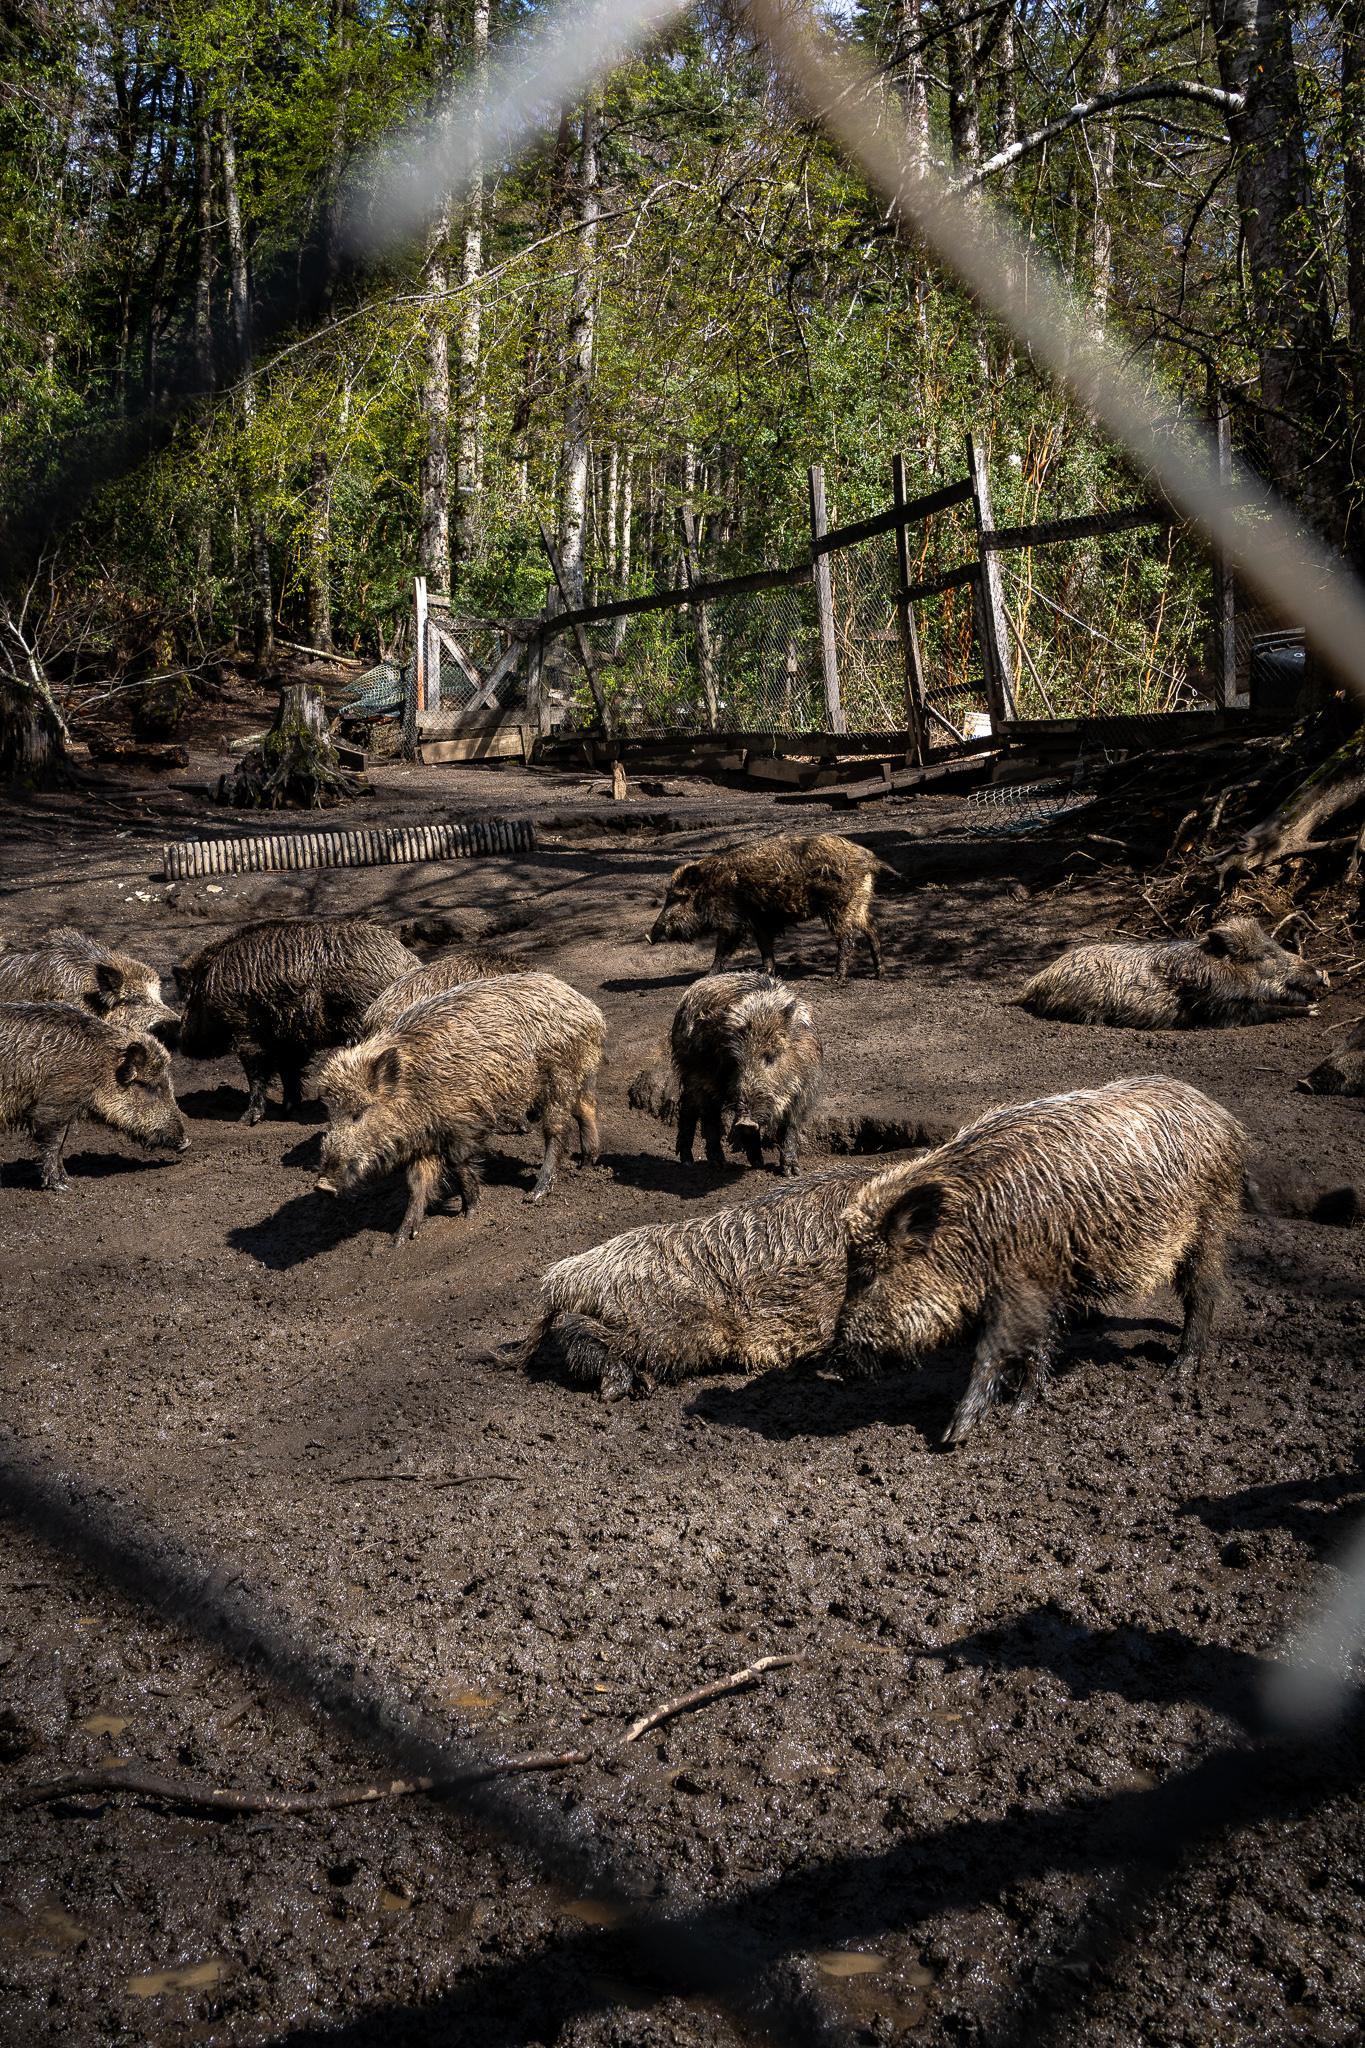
(296, 763)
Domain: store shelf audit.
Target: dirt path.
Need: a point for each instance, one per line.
(283, 1512)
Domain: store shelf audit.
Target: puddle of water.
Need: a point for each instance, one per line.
(193, 1977)
(918, 1975)
(842, 1962)
(104, 1724)
(595, 1912)
(394, 1902)
(616, 1991)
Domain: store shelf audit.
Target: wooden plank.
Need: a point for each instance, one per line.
(670, 600)
(905, 619)
(1006, 539)
(503, 745)
(701, 625)
(897, 518)
(952, 579)
(824, 602)
(415, 697)
(999, 660)
(506, 661)
(458, 655)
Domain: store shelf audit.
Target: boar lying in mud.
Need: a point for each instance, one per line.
(745, 1046)
(757, 892)
(426, 1090)
(754, 1285)
(1035, 1210)
(452, 970)
(1234, 974)
(277, 992)
(59, 1065)
(67, 967)
(1343, 1070)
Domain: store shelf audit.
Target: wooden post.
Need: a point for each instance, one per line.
(905, 614)
(584, 650)
(701, 624)
(416, 698)
(824, 603)
(1224, 582)
(997, 657)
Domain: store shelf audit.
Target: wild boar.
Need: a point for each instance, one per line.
(58, 1064)
(754, 1285)
(1036, 1210)
(1234, 974)
(67, 967)
(277, 992)
(757, 892)
(1343, 1070)
(426, 1091)
(452, 970)
(745, 1046)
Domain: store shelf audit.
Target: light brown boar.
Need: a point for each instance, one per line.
(758, 892)
(426, 1091)
(1234, 974)
(1036, 1210)
(68, 967)
(743, 1045)
(754, 1285)
(437, 978)
(1343, 1070)
(278, 991)
(58, 1065)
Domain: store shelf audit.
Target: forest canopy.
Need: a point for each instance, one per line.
(233, 407)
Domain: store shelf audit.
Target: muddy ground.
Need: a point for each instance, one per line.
(280, 1510)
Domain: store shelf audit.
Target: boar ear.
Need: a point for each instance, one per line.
(132, 1066)
(1217, 943)
(386, 1069)
(111, 979)
(915, 1217)
(686, 877)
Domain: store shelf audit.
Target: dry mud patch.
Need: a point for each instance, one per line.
(280, 1510)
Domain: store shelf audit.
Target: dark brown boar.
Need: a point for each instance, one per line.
(744, 1046)
(437, 978)
(757, 892)
(59, 1064)
(1343, 1070)
(277, 992)
(1036, 1210)
(67, 967)
(1234, 974)
(426, 1091)
(754, 1285)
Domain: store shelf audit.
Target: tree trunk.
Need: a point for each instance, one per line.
(1286, 254)
(319, 552)
(465, 524)
(1353, 202)
(296, 764)
(203, 346)
(343, 13)
(262, 621)
(433, 518)
(1295, 827)
(1104, 25)
(579, 350)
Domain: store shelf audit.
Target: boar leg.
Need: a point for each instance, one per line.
(291, 1084)
(589, 1145)
(424, 1183)
(687, 1127)
(1017, 1324)
(787, 1141)
(49, 1135)
(555, 1124)
(1198, 1283)
(258, 1066)
(765, 938)
(710, 1130)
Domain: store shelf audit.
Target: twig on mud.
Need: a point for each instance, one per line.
(436, 1485)
(706, 1692)
(184, 1793)
(1160, 917)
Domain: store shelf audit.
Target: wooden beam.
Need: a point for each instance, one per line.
(898, 516)
(824, 602)
(952, 579)
(1006, 539)
(701, 625)
(905, 619)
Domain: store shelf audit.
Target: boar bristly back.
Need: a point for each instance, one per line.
(1234, 974)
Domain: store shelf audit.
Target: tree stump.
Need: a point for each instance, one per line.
(32, 740)
(296, 763)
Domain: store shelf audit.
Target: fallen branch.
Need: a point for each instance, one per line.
(130, 1779)
(706, 1692)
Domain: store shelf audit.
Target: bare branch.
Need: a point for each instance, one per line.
(1102, 103)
